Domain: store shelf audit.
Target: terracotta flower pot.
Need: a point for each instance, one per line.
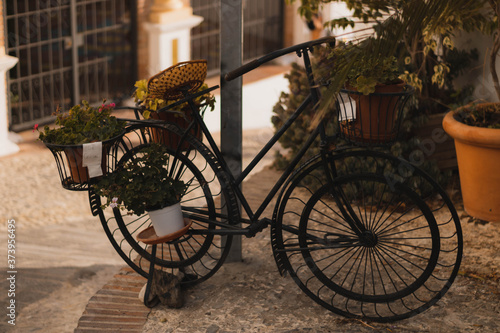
(478, 155)
(169, 139)
(79, 173)
(376, 114)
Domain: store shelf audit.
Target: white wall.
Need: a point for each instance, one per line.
(258, 100)
(333, 11)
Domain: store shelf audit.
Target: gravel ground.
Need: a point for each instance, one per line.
(250, 296)
(63, 256)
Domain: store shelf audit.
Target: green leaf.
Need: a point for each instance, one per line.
(143, 182)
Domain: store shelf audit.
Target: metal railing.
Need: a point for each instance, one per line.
(262, 30)
(68, 50)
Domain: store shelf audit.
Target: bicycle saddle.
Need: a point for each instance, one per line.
(171, 83)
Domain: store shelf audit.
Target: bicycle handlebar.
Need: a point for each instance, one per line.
(276, 54)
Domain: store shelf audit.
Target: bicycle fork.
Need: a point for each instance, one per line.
(338, 195)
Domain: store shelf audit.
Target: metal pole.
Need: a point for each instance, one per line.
(74, 52)
(231, 37)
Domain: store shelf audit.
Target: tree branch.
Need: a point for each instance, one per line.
(495, 5)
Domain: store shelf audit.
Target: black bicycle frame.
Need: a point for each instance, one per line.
(313, 99)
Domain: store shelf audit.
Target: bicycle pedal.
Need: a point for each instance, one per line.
(257, 227)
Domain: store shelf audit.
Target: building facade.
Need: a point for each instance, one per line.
(70, 50)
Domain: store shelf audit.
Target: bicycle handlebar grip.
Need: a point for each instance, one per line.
(242, 70)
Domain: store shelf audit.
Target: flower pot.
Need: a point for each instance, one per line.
(168, 138)
(167, 220)
(79, 173)
(478, 156)
(376, 115)
(69, 160)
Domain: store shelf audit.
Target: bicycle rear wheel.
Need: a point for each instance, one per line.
(199, 253)
(400, 264)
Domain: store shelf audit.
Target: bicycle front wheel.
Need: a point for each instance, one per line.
(368, 244)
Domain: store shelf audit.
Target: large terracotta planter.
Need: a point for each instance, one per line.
(478, 155)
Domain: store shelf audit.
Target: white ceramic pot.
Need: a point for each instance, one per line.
(167, 220)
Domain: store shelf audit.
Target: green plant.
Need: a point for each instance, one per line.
(366, 72)
(142, 99)
(485, 115)
(489, 24)
(143, 183)
(418, 33)
(296, 135)
(83, 124)
(492, 26)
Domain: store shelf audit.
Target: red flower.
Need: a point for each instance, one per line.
(35, 128)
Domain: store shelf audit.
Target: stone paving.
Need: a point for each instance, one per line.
(62, 255)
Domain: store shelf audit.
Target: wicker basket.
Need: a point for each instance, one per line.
(173, 82)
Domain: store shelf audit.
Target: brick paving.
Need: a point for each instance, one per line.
(116, 307)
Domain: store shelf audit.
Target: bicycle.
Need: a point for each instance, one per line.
(362, 233)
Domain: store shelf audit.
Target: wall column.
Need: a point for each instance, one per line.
(7, 147)
(169, 34)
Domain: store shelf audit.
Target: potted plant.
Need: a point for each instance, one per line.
(152, 97)
(75, 130)
(476, 131)
(144, 184)
(151, 106)
(370, 101)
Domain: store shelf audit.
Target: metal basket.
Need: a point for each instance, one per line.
(73, 175)
(373, 119)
